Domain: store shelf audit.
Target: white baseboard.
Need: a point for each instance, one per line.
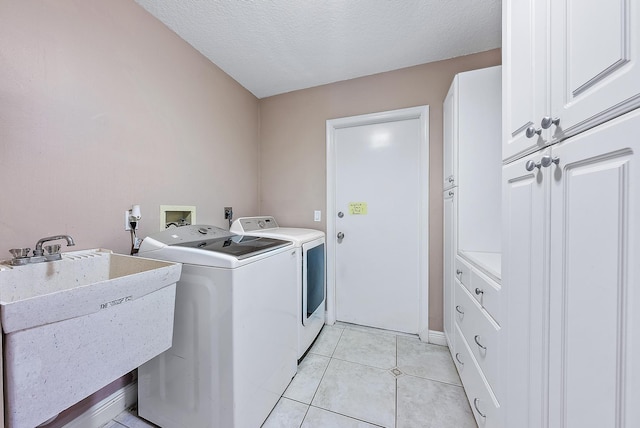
(102, 412)
(437, 338)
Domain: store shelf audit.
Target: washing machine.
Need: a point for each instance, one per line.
(311, 283)
(234, 347)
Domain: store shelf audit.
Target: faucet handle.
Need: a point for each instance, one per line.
(19, 253)
(52, 252)
(52, 249)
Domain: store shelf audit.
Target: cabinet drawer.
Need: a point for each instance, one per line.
(463, 272)
(487, 293)
(481, 334)
(484, 405)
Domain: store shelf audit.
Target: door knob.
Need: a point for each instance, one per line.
(340, 235)
(531, 131)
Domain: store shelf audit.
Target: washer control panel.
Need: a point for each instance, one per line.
(251, 224)
(179, 235)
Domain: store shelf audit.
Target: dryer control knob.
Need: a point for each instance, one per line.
(203, 230)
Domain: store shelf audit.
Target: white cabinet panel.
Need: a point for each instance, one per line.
(484, 404)
(463, 272)
(574, 63)
(525, 208)
(571, 240)
(484, 290)
(594, 51)
(572, 245)
(487, 294)
(450, 137)
(481, 334)
(450, 215)
(594, 295)
(479, 125)
(472, 154)
(524, 84)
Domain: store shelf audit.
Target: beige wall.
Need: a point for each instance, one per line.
(293, 144)
(102, 107)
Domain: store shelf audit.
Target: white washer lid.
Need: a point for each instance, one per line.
(249, 226)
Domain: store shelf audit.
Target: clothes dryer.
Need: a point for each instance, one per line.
(234, 342)
(311, 272)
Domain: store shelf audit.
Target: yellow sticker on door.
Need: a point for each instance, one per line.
(358, 208)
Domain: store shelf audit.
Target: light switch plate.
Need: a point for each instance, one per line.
(317, 215)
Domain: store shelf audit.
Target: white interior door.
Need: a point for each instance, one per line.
(379, 198)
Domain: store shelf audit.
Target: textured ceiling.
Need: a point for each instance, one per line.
(276, 46)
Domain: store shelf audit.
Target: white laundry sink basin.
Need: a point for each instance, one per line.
(74, 325)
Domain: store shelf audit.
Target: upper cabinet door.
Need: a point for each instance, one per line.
(594, 51)
(524, 84)
(450, 137)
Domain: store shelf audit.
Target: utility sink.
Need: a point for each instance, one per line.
(74, 325)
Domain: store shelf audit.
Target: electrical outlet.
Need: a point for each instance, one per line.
(228, 213)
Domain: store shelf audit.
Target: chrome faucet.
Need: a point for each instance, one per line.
(38, 251)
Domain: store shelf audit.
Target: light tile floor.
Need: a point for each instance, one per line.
(356, 376)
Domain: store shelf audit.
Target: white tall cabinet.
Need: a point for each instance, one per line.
(570, 210)
(450, 238)
(471, 180)
(472, 196)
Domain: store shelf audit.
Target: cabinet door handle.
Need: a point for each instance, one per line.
(479, 291)
(458, 358)
(532, 130)
(450, 179)
(450, 192)
(475, 404)
(547, 121)
(458, 272)
(459, 310)
(478, 343)
(547, 160)
(531, 165)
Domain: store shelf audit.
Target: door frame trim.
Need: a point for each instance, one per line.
(421, 113)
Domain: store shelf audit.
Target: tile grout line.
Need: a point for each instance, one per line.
(321, 378)
(444, 382)
(362, 364)
(349, 416)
